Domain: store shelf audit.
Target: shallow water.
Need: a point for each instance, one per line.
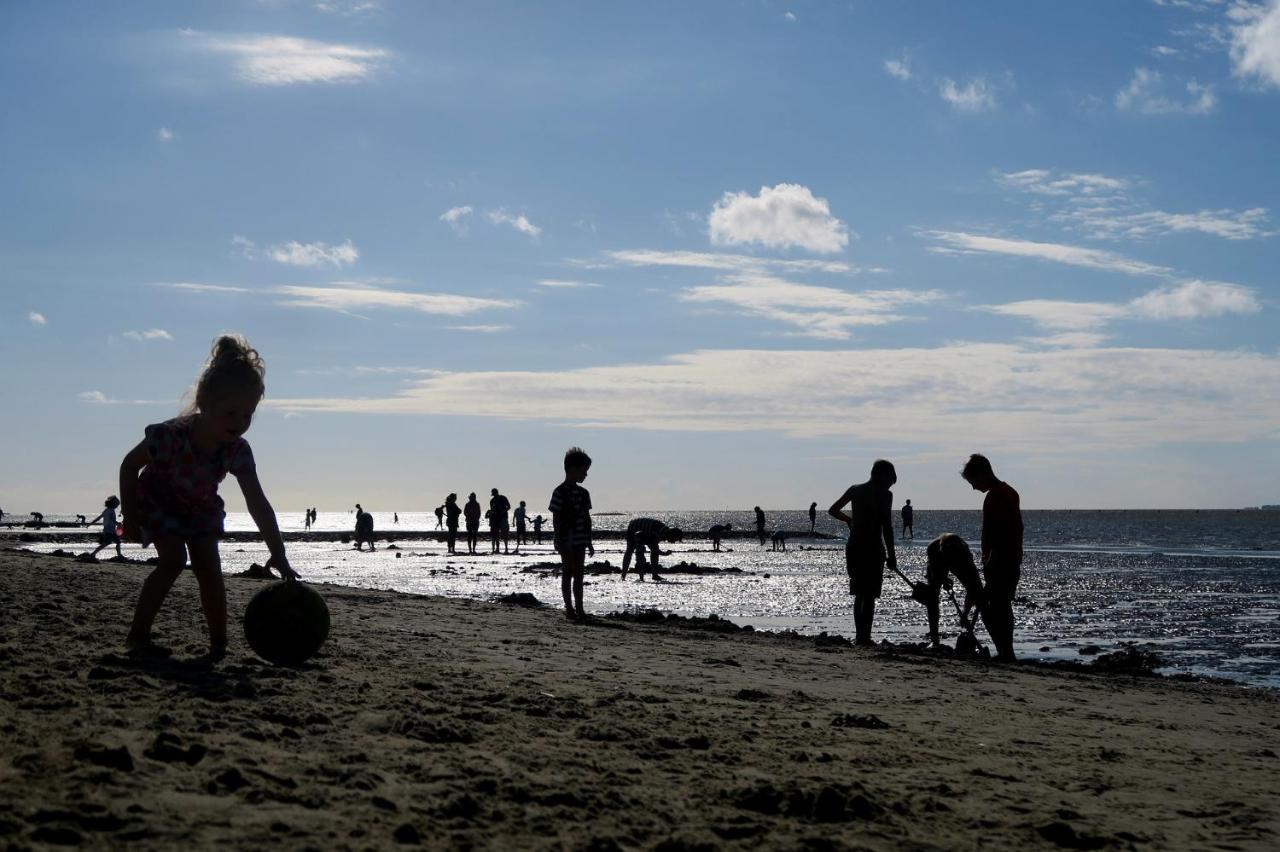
(1200, 588)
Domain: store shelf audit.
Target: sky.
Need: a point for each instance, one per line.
(737, 251)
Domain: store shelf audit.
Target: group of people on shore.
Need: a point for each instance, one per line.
(169, 496)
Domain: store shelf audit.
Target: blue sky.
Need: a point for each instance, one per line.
(735, 250)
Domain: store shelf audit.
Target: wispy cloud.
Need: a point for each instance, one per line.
(347, 297)
(1255, 41)
(557, 284)
(727, 262)
(502, 217)
(900, 68)
(194, 287)
(149, 334)
(1102, 207)
(272, 60)
(457, 218)
(294, 253)
(815, 311)
(977, 95)
(955, 242)
(1148, 94)
(780, 217)
(1186, 300)
(349, 8)
(97, 397)
(481, 329)
(36, 318)
(1121, 397)
(164, 134)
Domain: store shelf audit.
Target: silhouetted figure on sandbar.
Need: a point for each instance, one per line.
(306, 521)
(948, 556)
(452, 511)
(908, 517)
(779, 540)
(537, 529)
(716, 533)
(760, 526)
(521, 515)
(471, 514)
(498, 529)
(1001, 550)
(37, 520)
(440, 516)
(646, 533)
(395, 517)
(364, 528)
(813, 517)
(870, 546)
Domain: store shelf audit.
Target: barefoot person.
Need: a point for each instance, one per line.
(169, 488)
(949, 556)
(570, 508)
(109, 534)
(870, 521)
(1001, 550)
(716, 534)
(451, 509)
(471, 514)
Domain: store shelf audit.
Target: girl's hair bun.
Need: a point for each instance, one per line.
(233, 365)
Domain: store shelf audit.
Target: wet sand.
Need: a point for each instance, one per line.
(459, 724)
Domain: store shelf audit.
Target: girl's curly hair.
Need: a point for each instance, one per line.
(233, 366)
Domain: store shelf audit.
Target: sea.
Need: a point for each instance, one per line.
(1199, 588)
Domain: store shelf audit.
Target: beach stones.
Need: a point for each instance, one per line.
(286, 623)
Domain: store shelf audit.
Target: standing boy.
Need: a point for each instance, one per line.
(1001, 550)
(908, 520)
(870, 542)
(570, 508)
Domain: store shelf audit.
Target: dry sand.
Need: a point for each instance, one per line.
(460, 724)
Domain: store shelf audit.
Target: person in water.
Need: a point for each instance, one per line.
(813, 517)
(1001, 550)
(471, 514)
(716, 533)
(871, 541)
(907, 520)
(760, 526)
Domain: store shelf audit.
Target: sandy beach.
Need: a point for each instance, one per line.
(462, 724)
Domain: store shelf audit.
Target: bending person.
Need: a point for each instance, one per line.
(870, 521)
(642, 533)
(949, 556)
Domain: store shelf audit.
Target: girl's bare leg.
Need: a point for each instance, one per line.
(173, 557)
(207, 565)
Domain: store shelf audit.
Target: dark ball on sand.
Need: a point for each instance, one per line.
(286, 623)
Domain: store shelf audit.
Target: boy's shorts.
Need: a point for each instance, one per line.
(108, 538)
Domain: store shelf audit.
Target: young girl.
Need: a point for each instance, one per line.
(108, 535)
(175, 501)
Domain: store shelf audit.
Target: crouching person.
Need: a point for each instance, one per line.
(949, 556)
(642, 533)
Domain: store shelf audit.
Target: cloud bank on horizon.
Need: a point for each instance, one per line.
(890, 244)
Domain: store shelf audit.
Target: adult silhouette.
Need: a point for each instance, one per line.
(451, 510)
(760, 526)
(813, 517)
(471, 514)
(716, 533)
(908, 520)
(498, 527)
(1001, 550)
(870, 543)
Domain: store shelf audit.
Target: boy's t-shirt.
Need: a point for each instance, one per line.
(570, 508)
(109, 522)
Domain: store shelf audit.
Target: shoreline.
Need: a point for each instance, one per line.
(459, 722)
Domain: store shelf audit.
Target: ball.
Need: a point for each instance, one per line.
(286, 623)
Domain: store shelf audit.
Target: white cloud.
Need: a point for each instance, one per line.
(1147, 94)
(790, 16)
(351, 296)
(1255, 41)
(36, 318)
(519, 222)
(566, 285)
(780, 217)
(1101, 207)
(727, 262)
(94, 396)
(295, 253)
(1186, 300)
(149, 334)
(1196, 299)
(977, 95)
(349, 8)
(949, 398)
(193, 287)
(899, 68)
(1163, 50)
(164, 134)
(97, 397)
(954, 242)
(457, 218)
(270, 60)
(481, 329)
(821, 312)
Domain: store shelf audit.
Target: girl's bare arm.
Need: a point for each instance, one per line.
(133, 463)
(264, 516)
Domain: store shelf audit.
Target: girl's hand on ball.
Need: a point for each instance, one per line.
(281, 564)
